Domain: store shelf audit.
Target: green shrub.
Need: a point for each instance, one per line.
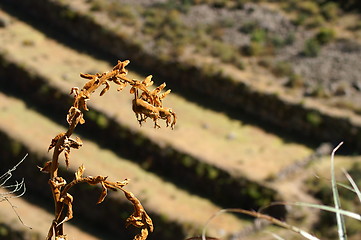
(325, 35)
(239, 63)
(320, 92)
(239, 4)
(259, 35)
(282, 69)
(308, 7)
(227, 22)
(69, 14)
(314, 119)
(249, 27)
(295, 81)
(223, 51)
(253, 49)
(220, 3)
(315, 21)
(312, 48)
(125, 12)
(300, 19)
(290, 39)
(97, 5)
(167, 26)
(216, 32)
(330, 10)
(102, 121)
(265, 62)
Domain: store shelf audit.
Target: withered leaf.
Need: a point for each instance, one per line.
(81, 119)
(103, 194)
(61, 237)
(117, 81)
(158, 89)
(132, 90)
(75, 91)
(68, 144)
(95, 180)
(122, 183)
(55, 140)
(139, 218)
(75, 143)
(148, 81)
(117, 67)
(82, 102)
(149, 222)
(79, 172)
(46, 168)
(121, 66)
(106, 88)
(88, 85)
(121, 86)
(87, 76)
(68, 200)
(71, 114)
(51, 232)
(163, 95)
(67, 156)
(142, 235)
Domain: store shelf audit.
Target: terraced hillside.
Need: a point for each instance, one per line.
(213, 158)
(311, 94)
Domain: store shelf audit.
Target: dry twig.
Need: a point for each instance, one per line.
(13, 190)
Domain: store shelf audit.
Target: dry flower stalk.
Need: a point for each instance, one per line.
(147, 104)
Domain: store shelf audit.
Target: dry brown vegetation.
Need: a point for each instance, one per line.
(147, 104)
(16, 189)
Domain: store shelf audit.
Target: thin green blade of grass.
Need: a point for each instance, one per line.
(339, 184)
(328, 208)
(336, 198)
(346, 187)
(354, 185)
(276, 236)
(262, 216)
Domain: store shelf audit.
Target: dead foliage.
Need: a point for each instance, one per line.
(12, 190)
(146, 104)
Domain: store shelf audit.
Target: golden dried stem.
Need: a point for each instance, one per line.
(148, 104)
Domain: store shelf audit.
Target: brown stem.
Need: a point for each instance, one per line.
(58, 229)
(73, 124)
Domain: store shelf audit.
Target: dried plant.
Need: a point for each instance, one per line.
(146, 104)
(14, 190)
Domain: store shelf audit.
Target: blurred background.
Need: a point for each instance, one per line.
(262, 90)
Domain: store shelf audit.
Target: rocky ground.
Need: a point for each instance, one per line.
(331, 76)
